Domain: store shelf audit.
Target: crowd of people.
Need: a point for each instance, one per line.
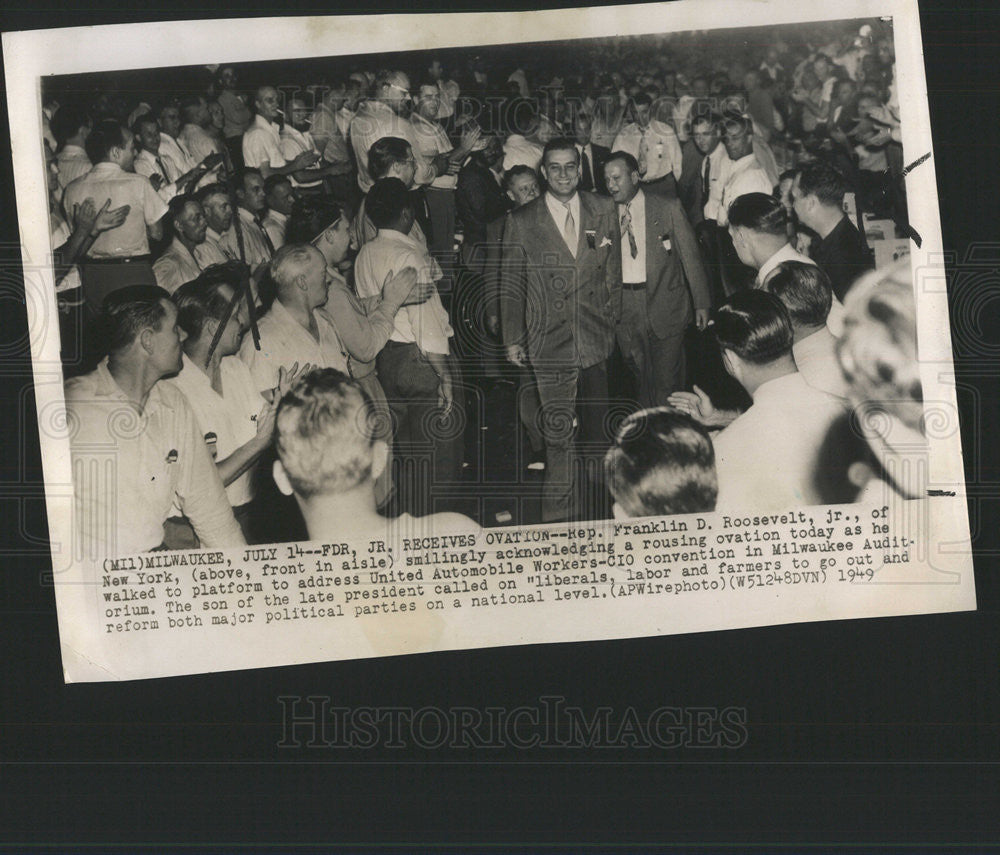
(322, 280)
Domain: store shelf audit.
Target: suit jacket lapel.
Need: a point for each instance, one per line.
(655, 227)
(549, 234)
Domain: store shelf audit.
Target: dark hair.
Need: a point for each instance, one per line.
(272, 181)
(714, 119)
(738, 122)
(625, 157)
(143, 119)
(642, 99)
(105, 135)
(310, 216)
(514, 171)
(386, 202)
(759, 212)
(755, 326)
(69, 118)
(560, 144)
(821, 180)
(128, 311)
(662, 462)
(200, 299)
(385, 153)
(804, 290)
(237, 181)
(175, 207)
(216, 189)
(189, 101)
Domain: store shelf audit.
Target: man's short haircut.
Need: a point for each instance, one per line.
(755, 326)
(631, 164)
(759, 212)
(163, 104)
(69, 118)
(176, 206)
(736, 123)
(386, 202)
(709, 118)
(386, 153)
(310, 216)
(514, 171)
(210, 190)
(104, 136)
(324, 434)
(290, 254)
(188, 102)
(272, 181)
(560, 144)
(201, 299)
(384, 78)
(805, 291)
(642, 99)
(878, 350)
(821, 180)
(143, 119)
(662, 462)
(236, 182)
(128, 311)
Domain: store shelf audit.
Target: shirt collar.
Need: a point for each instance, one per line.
(636, 203)
(260, 122)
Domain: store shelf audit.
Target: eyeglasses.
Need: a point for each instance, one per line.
(399, 88)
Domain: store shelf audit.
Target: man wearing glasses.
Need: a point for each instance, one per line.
(388, 115)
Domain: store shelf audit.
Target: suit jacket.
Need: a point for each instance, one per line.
(676, 279)
(601, 155)
(562, 308)
(479, 199)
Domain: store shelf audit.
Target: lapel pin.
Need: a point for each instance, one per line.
(591, 238)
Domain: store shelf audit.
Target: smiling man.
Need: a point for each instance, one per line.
(562, 294)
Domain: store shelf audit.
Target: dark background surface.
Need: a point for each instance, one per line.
(858, 731)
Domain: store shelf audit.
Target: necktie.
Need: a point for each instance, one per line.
(163, 169)
(263, 231)
(633, 248)
(587, 180)
(708, 172)
(569, 229)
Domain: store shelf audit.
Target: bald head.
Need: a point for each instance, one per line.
(266, 102)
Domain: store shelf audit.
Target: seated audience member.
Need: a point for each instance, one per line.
(878, 353)
(185, 258)
(818, 198)
(280, 197)
(805, 291)
(329, 459)
(769, 456)
(236, 420)
(136, 445)
(662, 462)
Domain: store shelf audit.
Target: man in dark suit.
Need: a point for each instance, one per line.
(592, 156)
(663, 279)
(479, 196)
(562, 279)
(839, 251)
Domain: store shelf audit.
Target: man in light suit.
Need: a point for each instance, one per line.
(662, 276)
(562, 276)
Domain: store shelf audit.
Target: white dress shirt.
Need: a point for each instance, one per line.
(558, 211)
(129, 469)
(816, 358)
(740, 177)
(758, 473)
(175, 267)
(634, 269)
(231, 416)
(425, 324)
(433, 141)
(656, 147)
(72, 162)
(262, 144)
(293, 143)
(275, 224)
(110, 181)
(284, 341)
(717, 162)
